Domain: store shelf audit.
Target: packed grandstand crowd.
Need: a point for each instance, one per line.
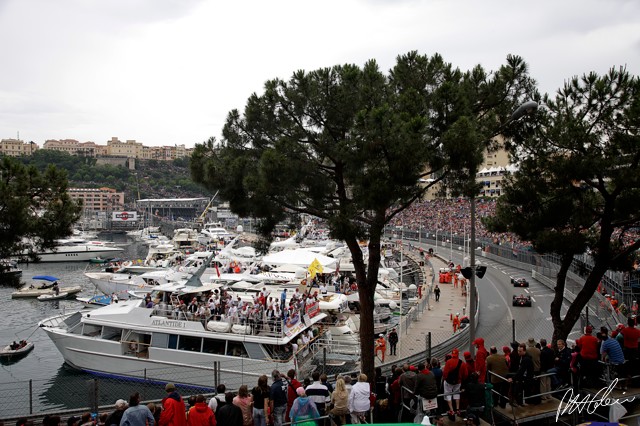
(453, 216)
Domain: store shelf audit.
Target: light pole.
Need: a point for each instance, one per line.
(451, 243)
(525, 109)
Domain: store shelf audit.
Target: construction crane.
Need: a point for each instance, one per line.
(203, 216)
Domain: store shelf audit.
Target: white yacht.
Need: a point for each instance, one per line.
(121, 284)
(185, 239)
(213, 232)
(79, 250)
(128, 340)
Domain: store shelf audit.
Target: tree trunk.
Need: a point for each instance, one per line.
(562, 327)
(367, 280)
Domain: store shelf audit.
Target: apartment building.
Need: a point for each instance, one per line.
(113, 148)
(73, 147)
(98, 200)
(17, 147)
(492, 171)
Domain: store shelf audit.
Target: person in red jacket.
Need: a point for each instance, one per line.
(588, 357)
(631, 336)
(291, 391)
(200, 414)
(456, 323)
(481, 359)
(455, 372)
(174, 412)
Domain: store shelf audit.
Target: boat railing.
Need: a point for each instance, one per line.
(336, 346)
(276, 328)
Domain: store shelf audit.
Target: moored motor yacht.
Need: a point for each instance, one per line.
(129, 340)
(78, 250)
(121, 284)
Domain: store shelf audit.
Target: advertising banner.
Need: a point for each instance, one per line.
(124, 216)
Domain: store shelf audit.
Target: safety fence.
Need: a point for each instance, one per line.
(544, 268)
(622, 284)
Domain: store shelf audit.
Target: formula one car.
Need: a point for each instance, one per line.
(519, 282)
(521, 300)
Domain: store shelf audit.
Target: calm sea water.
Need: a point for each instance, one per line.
(54, 385)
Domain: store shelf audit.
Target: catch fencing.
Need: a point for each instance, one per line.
(544, 268)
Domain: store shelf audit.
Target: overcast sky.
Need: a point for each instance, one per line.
(167, 72)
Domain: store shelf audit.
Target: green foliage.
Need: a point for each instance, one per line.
(578, 186)
(350, 144)
(157, 179)
(34, 207)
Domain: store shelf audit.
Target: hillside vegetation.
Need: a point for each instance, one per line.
(155, 179)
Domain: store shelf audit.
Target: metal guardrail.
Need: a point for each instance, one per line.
(598, 312)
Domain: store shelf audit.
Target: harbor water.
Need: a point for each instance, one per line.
(41, 379)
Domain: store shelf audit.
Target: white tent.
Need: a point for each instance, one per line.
(297, 257)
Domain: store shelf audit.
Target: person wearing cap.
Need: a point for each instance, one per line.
(116, 416)
(471, 364)
(173, 408)
(456, 322)
(481, 359)
(136, 414)
(455, 372)
(588, 357)
(381, 346)
(303, 408)
(393, 341)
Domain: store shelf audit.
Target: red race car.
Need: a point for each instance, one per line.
(521, 300)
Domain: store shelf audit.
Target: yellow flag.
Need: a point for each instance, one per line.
(315, 268)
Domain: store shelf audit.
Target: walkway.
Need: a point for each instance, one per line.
(431, 316)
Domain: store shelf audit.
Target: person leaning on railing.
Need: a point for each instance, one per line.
(498, 370)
